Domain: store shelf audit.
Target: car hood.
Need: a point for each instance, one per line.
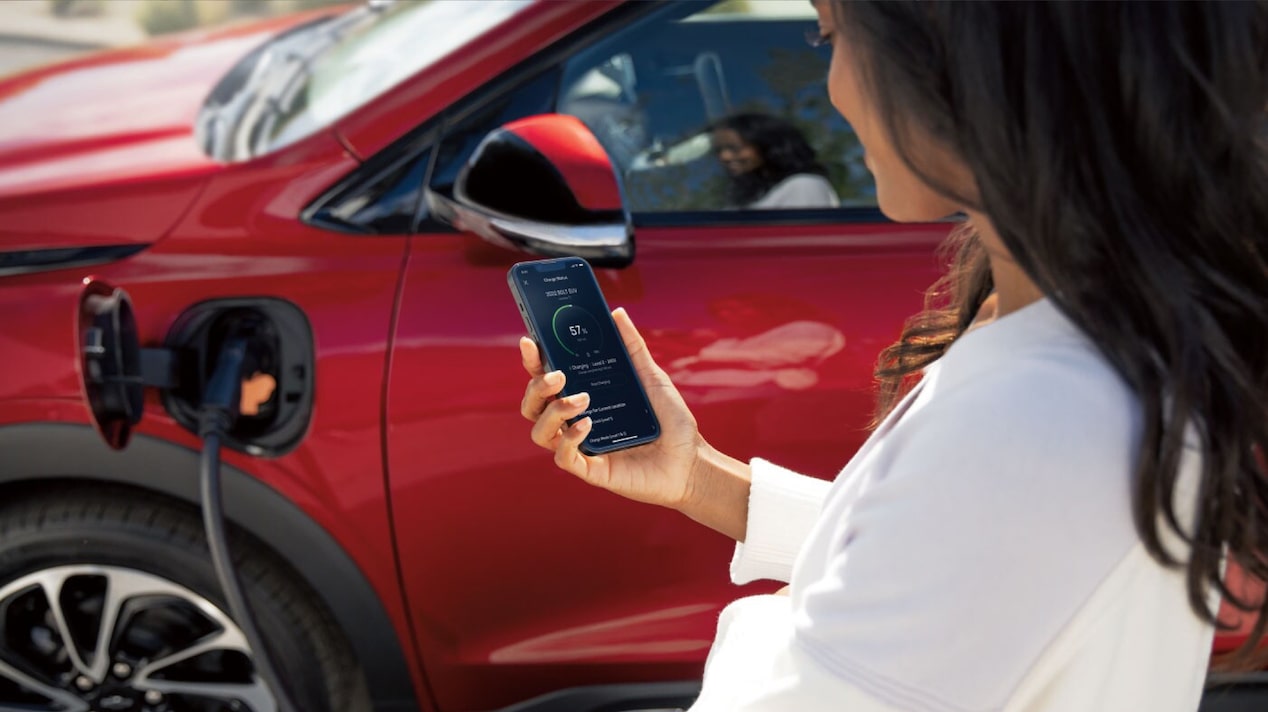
(83, 135)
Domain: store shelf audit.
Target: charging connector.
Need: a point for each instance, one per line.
(276, 403)
(216, 415)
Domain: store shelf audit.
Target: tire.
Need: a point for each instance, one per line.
(142, 561)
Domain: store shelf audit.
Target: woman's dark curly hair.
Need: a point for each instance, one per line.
(1119, 150)
(783, 148)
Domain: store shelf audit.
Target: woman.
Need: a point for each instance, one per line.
(1041, 522)
(770, 164)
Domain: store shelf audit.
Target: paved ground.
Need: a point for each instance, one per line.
(31, 35)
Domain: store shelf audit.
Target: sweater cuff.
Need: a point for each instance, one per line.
(782, 509)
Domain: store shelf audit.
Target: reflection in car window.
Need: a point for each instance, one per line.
(375, 56)
(721, 106)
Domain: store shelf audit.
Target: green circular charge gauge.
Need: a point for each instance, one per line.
(577, 331)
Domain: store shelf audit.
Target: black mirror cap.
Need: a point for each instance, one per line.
(509, 175)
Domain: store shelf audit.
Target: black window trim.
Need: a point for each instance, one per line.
(27, 261)
(760, 218)
(408, 149)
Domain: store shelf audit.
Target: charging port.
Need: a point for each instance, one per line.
(279, 353)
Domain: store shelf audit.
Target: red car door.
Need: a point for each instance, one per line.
(520, 579)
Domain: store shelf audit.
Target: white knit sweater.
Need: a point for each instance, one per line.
(976, 554)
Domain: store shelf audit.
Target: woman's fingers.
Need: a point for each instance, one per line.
(568, 455)
(531, 357)
(542, 387)
(550, 415)
(540, 391)
(550, 424)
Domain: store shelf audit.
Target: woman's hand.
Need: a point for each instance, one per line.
(661, 472)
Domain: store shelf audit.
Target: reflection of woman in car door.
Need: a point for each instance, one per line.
(767, 340)
(771, 165)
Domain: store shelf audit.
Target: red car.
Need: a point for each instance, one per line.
(403, 543)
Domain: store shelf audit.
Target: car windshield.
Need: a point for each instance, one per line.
(371, 57)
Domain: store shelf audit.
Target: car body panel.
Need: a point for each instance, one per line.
(113, 153)
(346, 287)
(242, 236)
(541, 570)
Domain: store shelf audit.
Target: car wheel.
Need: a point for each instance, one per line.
(108, 602)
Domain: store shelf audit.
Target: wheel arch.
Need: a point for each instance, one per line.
(35, 453)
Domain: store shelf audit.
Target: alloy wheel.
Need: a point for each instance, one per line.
(86, 638)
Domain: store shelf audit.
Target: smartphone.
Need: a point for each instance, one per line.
(567, 316)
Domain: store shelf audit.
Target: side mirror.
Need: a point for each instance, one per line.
(545, 186)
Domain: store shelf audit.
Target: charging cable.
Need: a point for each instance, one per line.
(216, 414)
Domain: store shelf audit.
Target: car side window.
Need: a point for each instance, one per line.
(719, 106)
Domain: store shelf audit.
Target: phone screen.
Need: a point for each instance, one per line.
(568, 317)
